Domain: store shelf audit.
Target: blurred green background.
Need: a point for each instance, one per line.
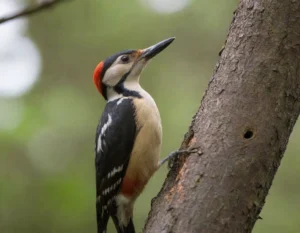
(47, 133)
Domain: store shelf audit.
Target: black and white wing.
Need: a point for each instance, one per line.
(114, 142)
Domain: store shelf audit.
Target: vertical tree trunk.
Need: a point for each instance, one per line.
(242, 127)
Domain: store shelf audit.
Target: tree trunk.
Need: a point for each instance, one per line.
(242, 127)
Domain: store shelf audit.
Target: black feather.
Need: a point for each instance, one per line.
(116, 143)
(126, 229)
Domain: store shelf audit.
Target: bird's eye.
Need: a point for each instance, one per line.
(125, 59)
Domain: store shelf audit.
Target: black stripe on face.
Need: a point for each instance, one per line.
(120, 88)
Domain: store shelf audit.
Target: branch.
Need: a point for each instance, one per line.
(242, 126)
(32, 9)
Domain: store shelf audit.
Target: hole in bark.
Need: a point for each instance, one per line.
(248, 134)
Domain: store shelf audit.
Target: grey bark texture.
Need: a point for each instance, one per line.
(242, 127)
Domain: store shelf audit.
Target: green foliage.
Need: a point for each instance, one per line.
(47, 163)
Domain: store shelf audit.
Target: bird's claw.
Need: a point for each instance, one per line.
(180, 152)
(190, 151)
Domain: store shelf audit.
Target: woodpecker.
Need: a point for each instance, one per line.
(128, 137)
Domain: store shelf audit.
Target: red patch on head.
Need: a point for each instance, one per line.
(98, 76)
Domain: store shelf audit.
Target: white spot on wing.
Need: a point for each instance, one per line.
(120, 101)
(103, 129)
(112, 187)
(115, 171)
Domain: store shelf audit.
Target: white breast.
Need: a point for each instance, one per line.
(146, 151)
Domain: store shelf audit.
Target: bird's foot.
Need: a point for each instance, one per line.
(177, 153)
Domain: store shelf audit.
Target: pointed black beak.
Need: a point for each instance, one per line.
(152, 51)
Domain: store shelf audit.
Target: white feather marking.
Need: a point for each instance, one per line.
(103, 129)
(110, 200)
(112, 187)
(120, 101)
(115, 171)
(123, 203)
(112, 94)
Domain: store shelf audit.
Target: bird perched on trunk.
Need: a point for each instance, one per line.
(128, 137)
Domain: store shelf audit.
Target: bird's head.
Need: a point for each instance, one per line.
(124, 68)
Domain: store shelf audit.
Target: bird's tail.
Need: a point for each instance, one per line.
(102, 219)
(123, 229)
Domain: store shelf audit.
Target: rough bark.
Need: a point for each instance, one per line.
(242, 127)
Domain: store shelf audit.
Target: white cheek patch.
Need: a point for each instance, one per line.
(114, 74)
